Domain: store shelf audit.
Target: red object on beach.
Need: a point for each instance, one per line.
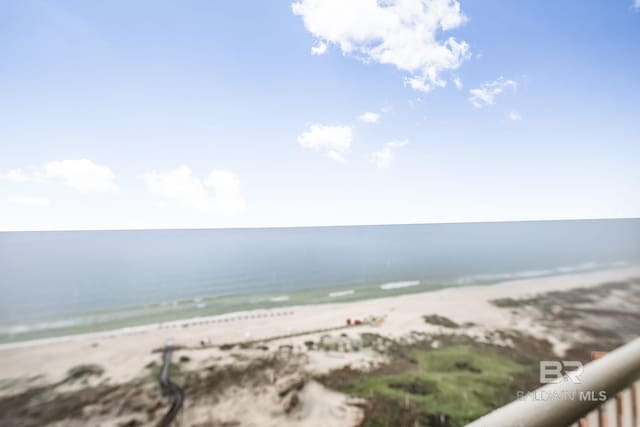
(358, 322)
(348, 322)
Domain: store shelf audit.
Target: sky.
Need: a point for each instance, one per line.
(164, 114)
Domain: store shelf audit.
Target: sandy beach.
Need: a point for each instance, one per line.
(240, 339)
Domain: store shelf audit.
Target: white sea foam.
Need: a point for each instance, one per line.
(619, 264)
(500, 277)
(399, 285)
(38, 327)
(579, 267)
(279, 299)
(342, 293)
(532, 273)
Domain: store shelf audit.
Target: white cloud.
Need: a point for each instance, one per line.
(636, 4)
(17, 175)
(383, 158)
(319, 49)
(486, 93)
(334, 155)
(82, 175)
(369, 117)
(227, 191)
(334, 140)
(458, 83)
(397, 32)
(221, 193)
(413, 103)
(397, 143)
(28, 201)
(514, 115)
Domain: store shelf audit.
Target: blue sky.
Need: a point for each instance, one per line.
(153, 114)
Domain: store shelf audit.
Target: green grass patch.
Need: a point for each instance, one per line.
(461, 382)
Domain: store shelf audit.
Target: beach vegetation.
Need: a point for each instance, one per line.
(438, 320)
(448, 386)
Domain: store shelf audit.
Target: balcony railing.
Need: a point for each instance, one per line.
(614, 377)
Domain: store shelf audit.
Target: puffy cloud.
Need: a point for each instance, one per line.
(28, 201)
(335, 141)
(319, 49)
(369, 117)
(486, 93)
(220, 193)
(82, 175)
(514, 115)
(458, 83)
(383, 158)
(17, 175)
(402, 33)
(227, 191)
(334, 155)
(397, 143)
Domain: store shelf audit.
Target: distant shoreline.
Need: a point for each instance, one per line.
(333, 296)
(536, 286)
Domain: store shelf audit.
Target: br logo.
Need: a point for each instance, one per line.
(554, 372)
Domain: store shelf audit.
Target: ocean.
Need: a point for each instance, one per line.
(57, 283)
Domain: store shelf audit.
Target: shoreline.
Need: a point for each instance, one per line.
(129, 349)
(238, 315)
(403, 291)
